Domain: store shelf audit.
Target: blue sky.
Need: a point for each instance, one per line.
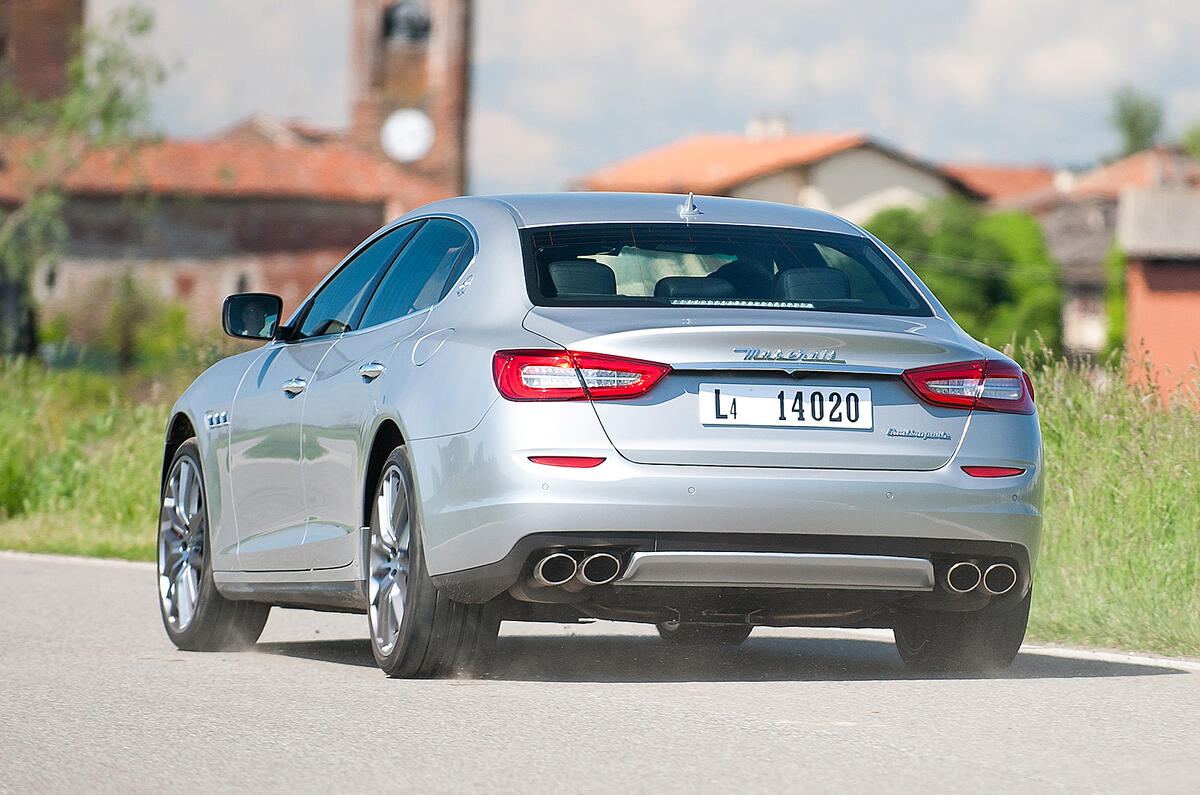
(562, 87)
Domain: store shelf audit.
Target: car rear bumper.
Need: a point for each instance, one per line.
(485, 511)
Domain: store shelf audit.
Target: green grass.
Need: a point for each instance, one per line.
(1120, 560)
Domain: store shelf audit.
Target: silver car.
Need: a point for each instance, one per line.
(703, 413)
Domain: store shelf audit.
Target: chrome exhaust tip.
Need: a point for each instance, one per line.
(557, 568)
(963, 576)
(600, 568)
(1000, 578)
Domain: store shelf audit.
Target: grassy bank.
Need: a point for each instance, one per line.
(1120, 562)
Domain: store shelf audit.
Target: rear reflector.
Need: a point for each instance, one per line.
(570, 375)
(993, 472)
(574, 461)
(984, 384)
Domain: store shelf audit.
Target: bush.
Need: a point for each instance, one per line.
(992, 272)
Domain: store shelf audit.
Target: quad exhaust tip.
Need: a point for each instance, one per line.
(557, 568)
(600, 568)
(963, 576)
(999, 579)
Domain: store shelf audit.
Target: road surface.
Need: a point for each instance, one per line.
(94, 697)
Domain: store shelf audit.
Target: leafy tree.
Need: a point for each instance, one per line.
(992, 272)
(105, 105)
(1114, 299)
(1138, 118)
(1191, 140)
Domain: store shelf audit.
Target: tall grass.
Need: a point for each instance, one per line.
(1120, 560)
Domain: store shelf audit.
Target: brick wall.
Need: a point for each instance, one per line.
(1163, 315)
(36, 38)
(197, 252)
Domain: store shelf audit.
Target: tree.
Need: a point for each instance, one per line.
(1138, 118)
(1191, 140)
(105, 105)
(992, 272)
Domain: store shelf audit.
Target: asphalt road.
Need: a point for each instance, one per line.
(94, 697)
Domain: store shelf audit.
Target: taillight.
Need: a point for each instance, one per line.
(984, 384)
(570, 375)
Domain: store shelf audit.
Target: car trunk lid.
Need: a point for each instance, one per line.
(773, 362)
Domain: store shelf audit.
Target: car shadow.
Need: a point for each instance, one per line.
(622, 658)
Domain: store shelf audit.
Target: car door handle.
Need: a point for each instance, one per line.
(371, 371)
(295, 386)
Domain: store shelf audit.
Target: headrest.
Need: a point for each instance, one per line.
(811, 284)
(582, 277)
(693, 287)
(749, 279)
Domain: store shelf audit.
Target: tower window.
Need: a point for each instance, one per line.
(407, 22)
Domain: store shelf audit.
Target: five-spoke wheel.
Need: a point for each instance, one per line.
(195, 614)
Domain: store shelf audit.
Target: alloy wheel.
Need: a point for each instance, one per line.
(182, 532)
(387, 584)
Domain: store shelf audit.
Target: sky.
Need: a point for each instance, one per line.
(560, 88)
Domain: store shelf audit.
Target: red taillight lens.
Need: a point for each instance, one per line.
(570, 375)
(993, 472)
(983, 384)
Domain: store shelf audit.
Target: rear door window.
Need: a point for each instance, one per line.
(333, 308)
(418, 277)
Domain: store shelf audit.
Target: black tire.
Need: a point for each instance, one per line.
(684, 634)
(973, 642)
(214, 623)
(436, 635)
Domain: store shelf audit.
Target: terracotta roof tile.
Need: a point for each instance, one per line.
(1162, 164)
(1000, 181)
(236, 168)
(714, 163)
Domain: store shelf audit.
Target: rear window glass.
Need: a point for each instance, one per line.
(701, 265)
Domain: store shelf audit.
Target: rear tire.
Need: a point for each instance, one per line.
(973, 642)
(684, 634)
(416, 630)
(195, 615)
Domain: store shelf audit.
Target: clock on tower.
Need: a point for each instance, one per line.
(412, 71)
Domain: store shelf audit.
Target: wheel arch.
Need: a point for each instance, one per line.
(388, 437)
(179, 430)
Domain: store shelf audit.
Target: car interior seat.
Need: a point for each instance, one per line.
(582, 277)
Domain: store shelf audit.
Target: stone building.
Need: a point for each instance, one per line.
(267, 204)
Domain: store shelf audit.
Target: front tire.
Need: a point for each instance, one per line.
(195, 615)
(416, 630)
(683, 634)
(974, 642)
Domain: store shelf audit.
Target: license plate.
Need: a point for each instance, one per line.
(792, 406)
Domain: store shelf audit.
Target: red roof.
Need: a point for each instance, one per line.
(1157, 166)
(1000, 181)
(714, 163)
(234, 168)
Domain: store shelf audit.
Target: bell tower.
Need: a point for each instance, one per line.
(37, 41)
(411, 84)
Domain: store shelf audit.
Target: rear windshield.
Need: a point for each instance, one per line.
(708, 265)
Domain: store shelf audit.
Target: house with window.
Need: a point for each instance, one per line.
(846, 173)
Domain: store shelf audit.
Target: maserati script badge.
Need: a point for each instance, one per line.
(779, 355)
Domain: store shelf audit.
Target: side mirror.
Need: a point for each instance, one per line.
(251, 316)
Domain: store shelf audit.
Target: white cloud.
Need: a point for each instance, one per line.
(769, 77)
(509, 155)
(1073, 66)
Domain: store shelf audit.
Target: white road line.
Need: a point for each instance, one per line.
(882, 635)
(74, 560)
